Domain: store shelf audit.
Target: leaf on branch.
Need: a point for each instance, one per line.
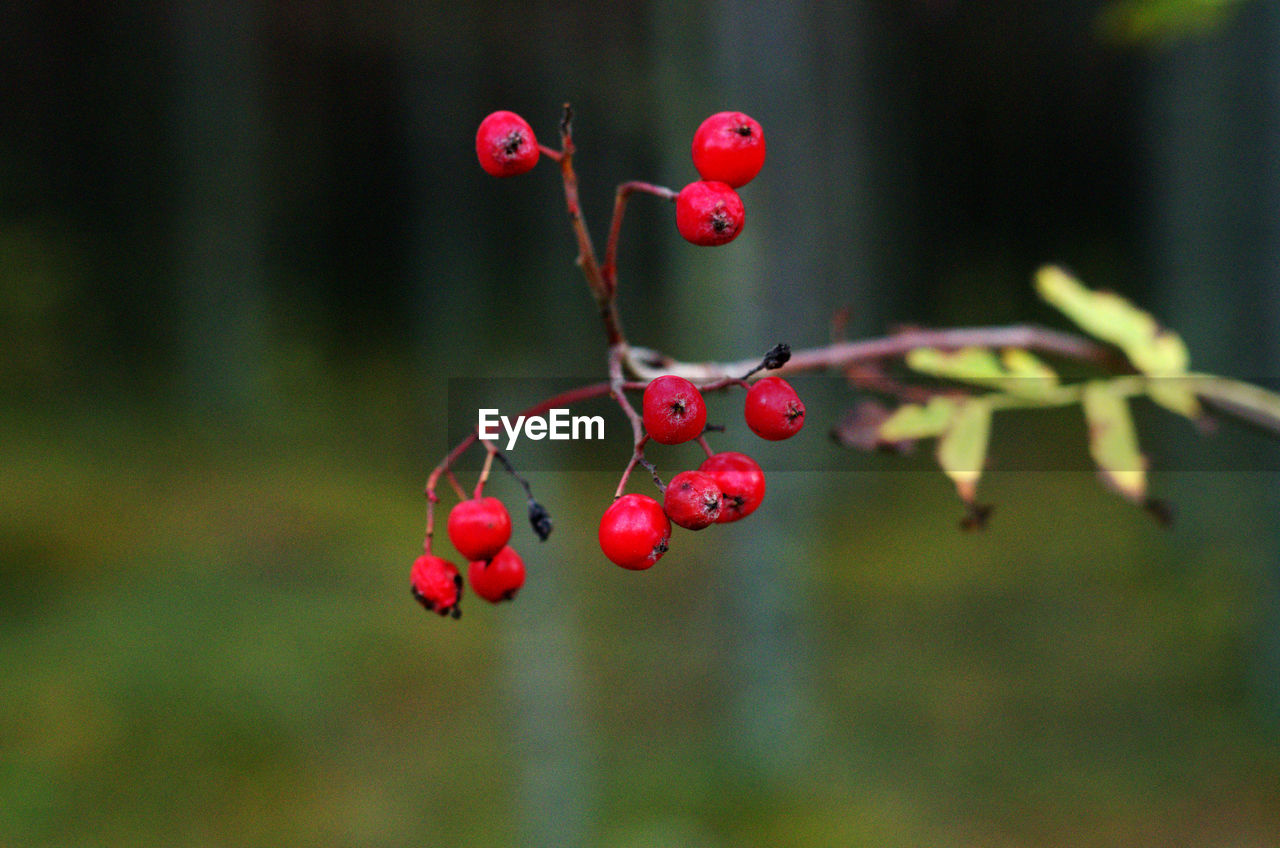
(1015, 371)
(962, 450)
(1154, 350)
(1113, 441)
(913, 421)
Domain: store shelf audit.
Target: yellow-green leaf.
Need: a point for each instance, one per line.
(1113, 441)
(1016, 371)
(969, 364)
(962, 450)
(1023, 363)
(1151, 348)
(913, 421)
(1174, 394)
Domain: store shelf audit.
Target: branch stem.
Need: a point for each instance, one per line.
(600, 288)
(610, 268)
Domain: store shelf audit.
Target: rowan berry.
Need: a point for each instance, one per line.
(497, 579)
(436, 584)
(634, 532)
(692, 500)
(729, 147)
(773, 409)
(506, 145)
(740, 480)
(709, 213)
(479, 528)
(674, 411)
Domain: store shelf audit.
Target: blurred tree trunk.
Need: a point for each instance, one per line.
(221, 216)
(540, 638)
(805, 251)
(1213, 132)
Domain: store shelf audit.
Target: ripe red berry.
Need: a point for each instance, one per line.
(497, 579)
(774, 411)
(479, 528)
(692, 500)
(729, 147)
(709, 213)
(740, 480)
(674, 411)
(436, 584)
(505, 144)
(634, 532)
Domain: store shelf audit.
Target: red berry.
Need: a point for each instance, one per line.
(634, 532)
(774, 411)
(479, 528)
(729, 147)
(674, 411)
(693, 500)
(436, 584)
(505, 144)
(741, 481)
(709, 213)
(499, 578)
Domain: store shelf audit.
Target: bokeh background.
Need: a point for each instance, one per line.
(245, 246)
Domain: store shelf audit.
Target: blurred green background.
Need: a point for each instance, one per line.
(243, 246)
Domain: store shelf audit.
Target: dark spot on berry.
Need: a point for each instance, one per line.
(513, 142)
(721, 222)
(743, 129)
(794, 412)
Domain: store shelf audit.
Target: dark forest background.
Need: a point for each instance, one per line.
(245, 246)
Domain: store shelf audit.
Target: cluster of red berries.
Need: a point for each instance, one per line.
(480, 529)
(728, 151)
(635, 530)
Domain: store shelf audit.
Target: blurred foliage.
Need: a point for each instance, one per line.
(1159, 22)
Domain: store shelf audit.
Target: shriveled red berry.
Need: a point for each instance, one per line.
(506, 145)
(729, 147)
(479, 528)
(634, 532)
(740, 480)
(773, 410)
(436, 584)
(497, 579)
(709, 213)
(674, 411)
(692, 500)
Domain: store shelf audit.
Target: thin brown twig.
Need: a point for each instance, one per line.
(641, 361)
(605, 300)
(624, 192)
